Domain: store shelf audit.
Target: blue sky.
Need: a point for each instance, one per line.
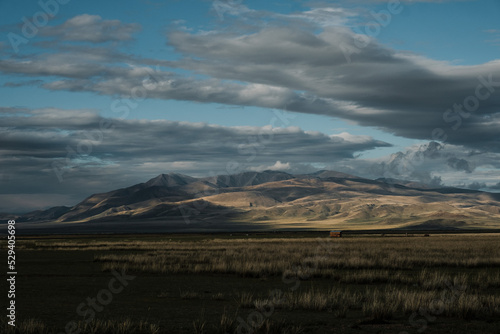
(374, 113)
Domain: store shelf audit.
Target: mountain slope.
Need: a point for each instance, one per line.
(324, 199)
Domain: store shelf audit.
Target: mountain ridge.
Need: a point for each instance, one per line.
(272, 198)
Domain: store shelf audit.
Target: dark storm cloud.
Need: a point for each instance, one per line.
(23, 83)
(404, 94)
(48, 131)
(432, 164)
(476, 185)
(41, 147)
(294, 62)
(297, 69)
(460, 164)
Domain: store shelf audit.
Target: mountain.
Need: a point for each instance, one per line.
(410, 184)
(326, 174)
(170, 180)
(50, 214)
(272, 200)
(247, 179)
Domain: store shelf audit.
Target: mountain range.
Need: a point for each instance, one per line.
(272, 200)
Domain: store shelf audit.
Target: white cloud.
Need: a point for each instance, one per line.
(92, 28)
(278, 166)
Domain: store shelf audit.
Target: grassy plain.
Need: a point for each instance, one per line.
(290, 283)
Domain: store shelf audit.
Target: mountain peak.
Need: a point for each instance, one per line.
(170, 180)
(324, 174)
(329, 197)
(249, 178)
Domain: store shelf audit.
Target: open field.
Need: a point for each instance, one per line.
(289, 283)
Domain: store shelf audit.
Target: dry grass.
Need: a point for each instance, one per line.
(410, 273)
(226, 325)
(28, 326)
(272, 257)
(190, 295)
(199, 326)
(34, 326)
(279, 327)
(379, 278)
(385, 302)
(422, 266)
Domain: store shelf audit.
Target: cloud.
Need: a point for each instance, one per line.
(19, 202)
(12, 110)
(431, 163)
(404, 94)
(278, 166)
(405, 1)
(294, 67)
(460, 164)
(325, 16)
(477, 185)
(159, 140)
(230, 7)
(495, 36)
(95, 154)
(92, 28)
(23, 83)
(307, 62)
(91, 153)
(495, 186)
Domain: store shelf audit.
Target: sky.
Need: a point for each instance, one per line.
(96, 96)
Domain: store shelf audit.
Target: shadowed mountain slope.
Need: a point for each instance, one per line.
(325, 199)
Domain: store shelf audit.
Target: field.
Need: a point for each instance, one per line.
(274, 283)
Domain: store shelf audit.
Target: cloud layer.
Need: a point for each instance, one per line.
(91, 28)
(310, 62)
(57, 151)
(304, 66)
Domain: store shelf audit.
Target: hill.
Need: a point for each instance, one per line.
(275, 200)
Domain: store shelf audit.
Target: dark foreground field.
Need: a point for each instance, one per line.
(257, 284)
